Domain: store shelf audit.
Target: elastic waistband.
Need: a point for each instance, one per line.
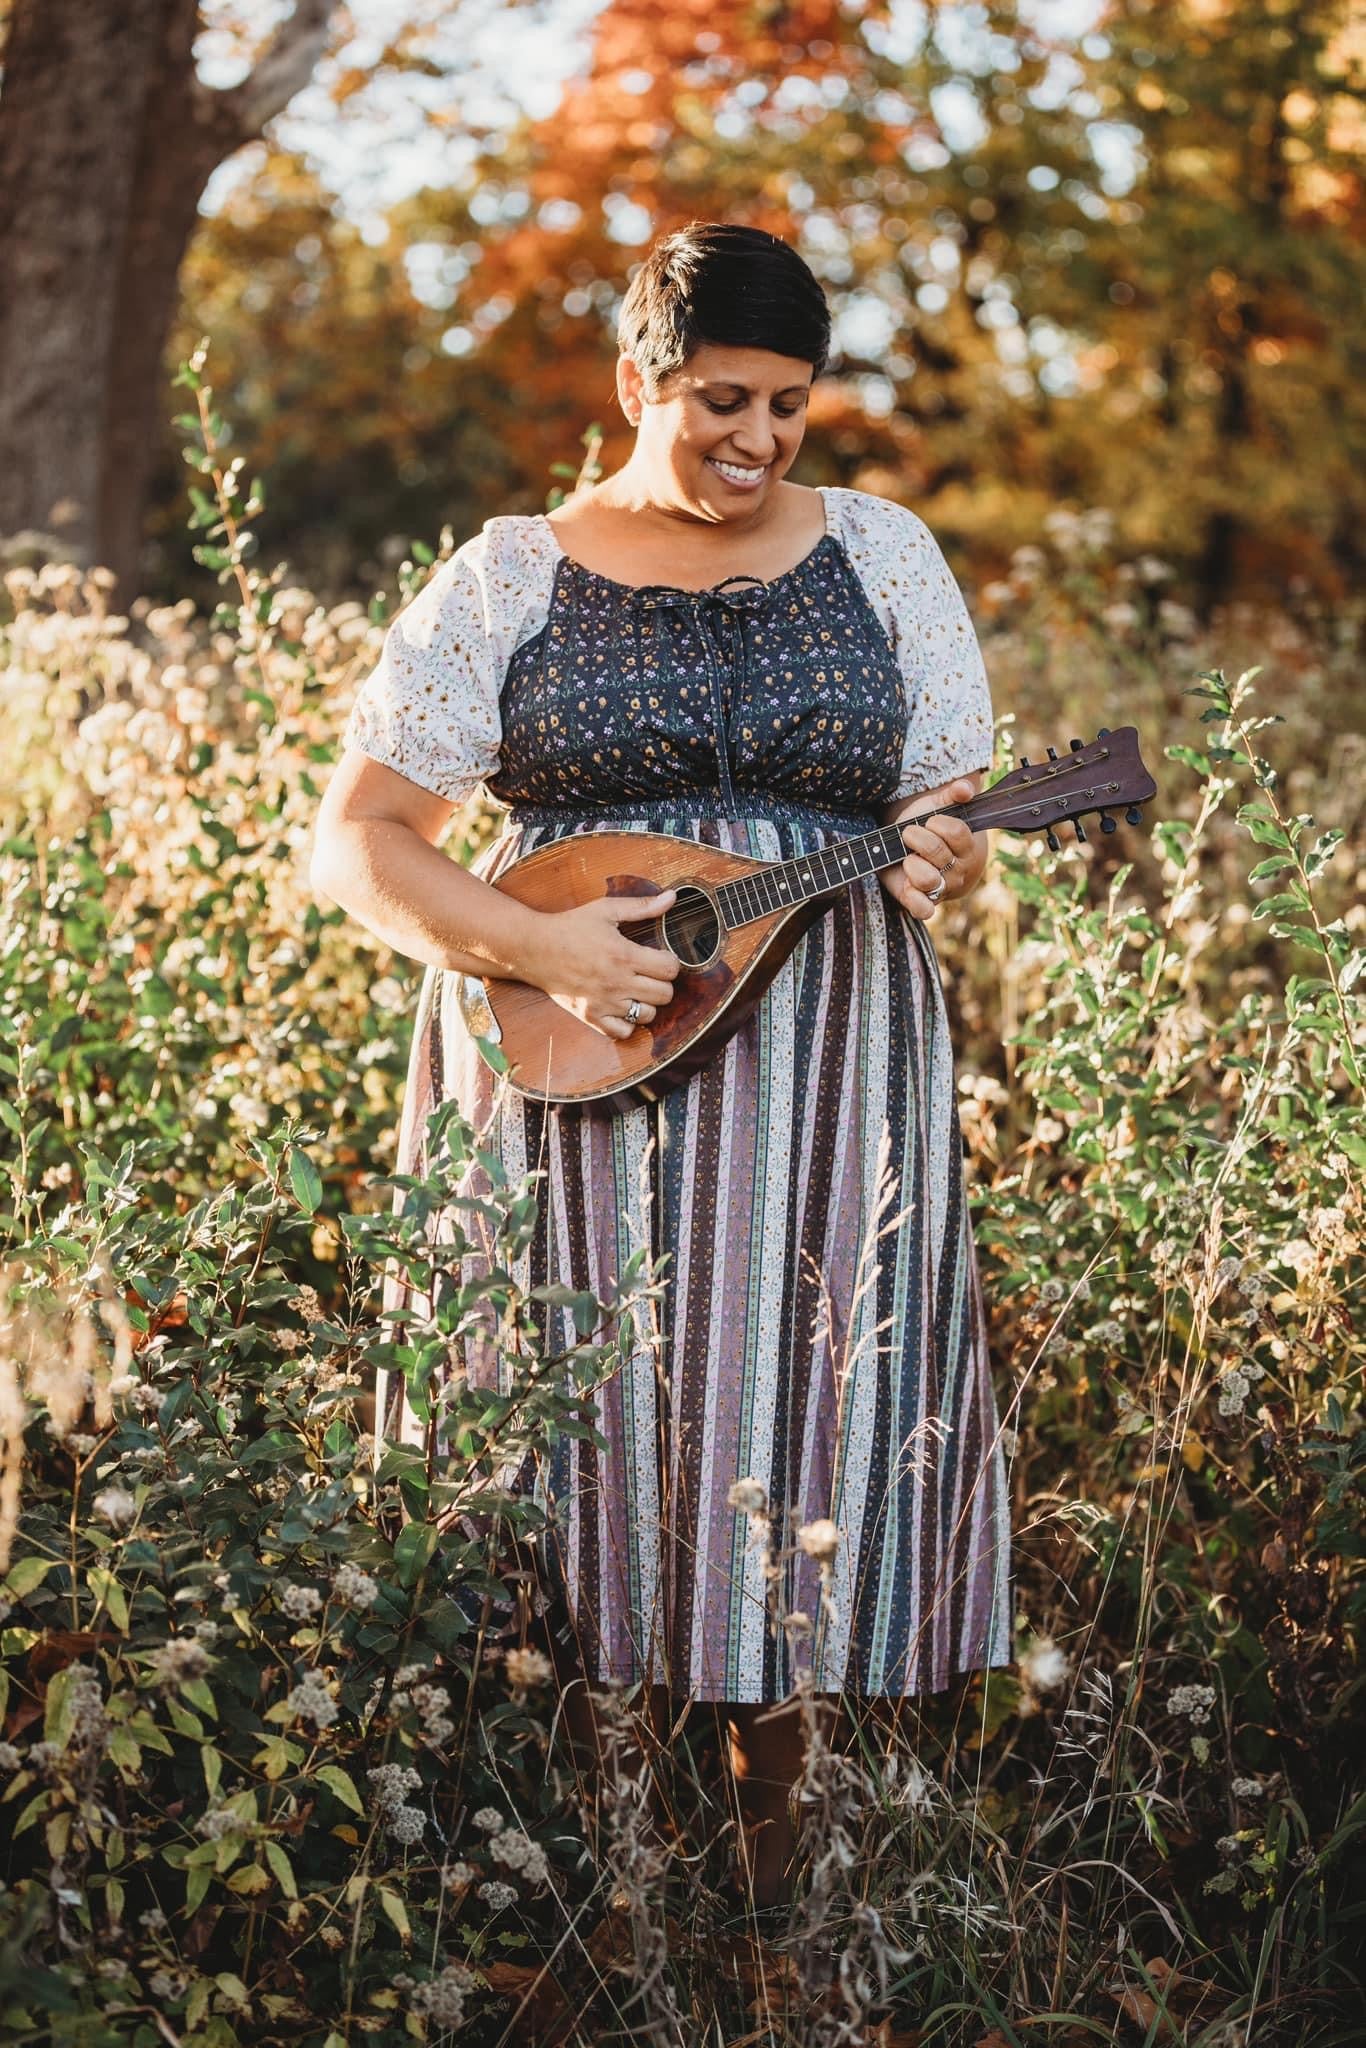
(690, 806)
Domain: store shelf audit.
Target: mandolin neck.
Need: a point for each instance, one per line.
(786, 882)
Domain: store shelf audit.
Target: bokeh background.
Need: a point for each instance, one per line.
(1082, 253)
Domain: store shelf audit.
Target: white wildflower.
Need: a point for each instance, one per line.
(1195, 1701)
(748, 1497)
(515, 1848)
(1299, 1254)
(312, 1700)
(443, 1999)
(116, 1506)
(353, 1587)
(391, 1784)
(527, 1667)
(301, 1603)
(405, 1824)
(820, 1539)
(179, 1659)
(1234, 1388)
(1043, 1666)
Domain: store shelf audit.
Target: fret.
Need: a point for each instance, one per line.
(786, 882)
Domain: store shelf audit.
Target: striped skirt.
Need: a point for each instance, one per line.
(820, 1329)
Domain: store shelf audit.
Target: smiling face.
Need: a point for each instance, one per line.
(722, 430)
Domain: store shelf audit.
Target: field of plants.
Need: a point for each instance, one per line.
(270, 1767)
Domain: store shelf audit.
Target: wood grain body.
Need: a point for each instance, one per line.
(558, 1058)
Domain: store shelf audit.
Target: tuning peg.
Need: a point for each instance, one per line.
(1134, 814)
(1076, 745)
(1052, 753)
(1107, 823)
(1024, 760)
(1054, 843)
(1104, 733)
(1079, 828)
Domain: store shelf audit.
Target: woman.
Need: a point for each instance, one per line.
(699, 646)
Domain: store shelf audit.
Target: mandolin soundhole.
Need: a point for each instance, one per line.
(692, 928)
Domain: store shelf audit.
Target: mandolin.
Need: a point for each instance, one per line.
(735, 920)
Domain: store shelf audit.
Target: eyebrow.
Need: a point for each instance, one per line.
(728, 384)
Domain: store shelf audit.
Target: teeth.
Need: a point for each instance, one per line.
(732, 469)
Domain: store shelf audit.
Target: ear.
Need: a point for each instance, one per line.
(630, 389)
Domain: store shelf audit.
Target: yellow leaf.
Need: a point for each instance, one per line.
(249, 1880)
(1192, 1450)
(396, 1910)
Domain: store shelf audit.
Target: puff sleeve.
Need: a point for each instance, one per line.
(949, 728)
(429, 707)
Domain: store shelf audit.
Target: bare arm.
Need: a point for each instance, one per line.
(930, 847)
(375, 853)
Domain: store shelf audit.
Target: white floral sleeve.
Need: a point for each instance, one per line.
(429, 707)
(949, 727)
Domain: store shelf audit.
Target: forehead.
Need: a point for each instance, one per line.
(755, 369)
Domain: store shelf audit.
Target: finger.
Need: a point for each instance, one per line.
(919, 839)
(625, 909)
(922, 874)
(645, 1011)
(651, 960)
(917, 904)
(956, 835)
(611, 1026)
(645, 989)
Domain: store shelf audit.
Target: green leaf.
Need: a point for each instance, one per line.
(1272, 906)
(337, 1781)
(414, 1548)
(305, 1181)
(110, 1594)
(196, 1691)
(283, 1868)
(28, 1573)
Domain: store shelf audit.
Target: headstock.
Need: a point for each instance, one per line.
(1095, 776)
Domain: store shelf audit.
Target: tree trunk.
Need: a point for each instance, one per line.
(107, 138)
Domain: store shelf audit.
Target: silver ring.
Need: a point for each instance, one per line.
(934, 894)
(633, 1011)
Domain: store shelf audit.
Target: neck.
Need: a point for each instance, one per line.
(785, 882)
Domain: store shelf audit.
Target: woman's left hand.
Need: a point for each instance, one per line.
(942, 850)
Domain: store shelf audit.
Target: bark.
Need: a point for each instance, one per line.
(107, 139)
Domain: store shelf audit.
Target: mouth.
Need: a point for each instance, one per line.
(739, 476)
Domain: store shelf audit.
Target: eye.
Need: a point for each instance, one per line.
(784, 412)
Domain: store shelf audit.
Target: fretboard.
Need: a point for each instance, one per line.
(785, 882)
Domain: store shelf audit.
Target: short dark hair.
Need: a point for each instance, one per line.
(738, 287)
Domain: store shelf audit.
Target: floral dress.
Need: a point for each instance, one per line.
(821, 1328)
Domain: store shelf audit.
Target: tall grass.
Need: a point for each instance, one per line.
(283, 1757)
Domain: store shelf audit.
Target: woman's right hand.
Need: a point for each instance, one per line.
(586, 964)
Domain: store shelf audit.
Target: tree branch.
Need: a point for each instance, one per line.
(284, 67)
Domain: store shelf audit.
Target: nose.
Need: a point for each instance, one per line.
(753, 434)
